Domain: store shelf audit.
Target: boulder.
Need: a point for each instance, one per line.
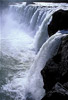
(56, 70)
(59, 22)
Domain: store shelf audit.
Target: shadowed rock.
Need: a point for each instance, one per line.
(56, 70)
(59, 22)
(57, 92)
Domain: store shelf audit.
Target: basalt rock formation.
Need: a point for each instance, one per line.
(55, 74)
(59, 22)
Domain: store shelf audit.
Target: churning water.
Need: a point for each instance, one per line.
(25, 47)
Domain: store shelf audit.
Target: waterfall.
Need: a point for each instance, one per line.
(25, 49)
(48, 50)
(42, 34)
(34, 19)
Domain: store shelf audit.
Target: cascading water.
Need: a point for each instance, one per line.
(23, 34)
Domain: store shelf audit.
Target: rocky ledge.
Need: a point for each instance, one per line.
(55, 74)
(59, 22)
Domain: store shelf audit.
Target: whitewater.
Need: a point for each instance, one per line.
(25, 47)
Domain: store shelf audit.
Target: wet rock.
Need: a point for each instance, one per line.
(59, 22)
(29, 2)
(57, 92)
(56, 70)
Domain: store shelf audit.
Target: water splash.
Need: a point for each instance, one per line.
(22, 79)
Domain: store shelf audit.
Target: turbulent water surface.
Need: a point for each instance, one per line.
(25, 48)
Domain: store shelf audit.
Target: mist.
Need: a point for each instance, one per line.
(13, 36)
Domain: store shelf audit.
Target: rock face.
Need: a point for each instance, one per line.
(55, 74)
(59, 22)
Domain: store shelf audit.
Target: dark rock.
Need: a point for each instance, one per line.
(56, 70)
(65, 85)
(59, 22)
(29, 2)
(57, 92)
